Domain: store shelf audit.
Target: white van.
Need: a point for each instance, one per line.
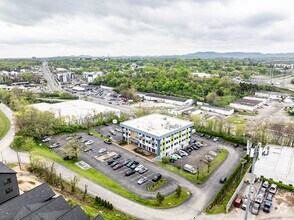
(189, 168)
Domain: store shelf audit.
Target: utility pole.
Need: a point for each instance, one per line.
(251, 180)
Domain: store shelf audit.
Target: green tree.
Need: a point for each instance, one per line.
(71, 148)
(165, 160)
(160, 198)
(179, 191)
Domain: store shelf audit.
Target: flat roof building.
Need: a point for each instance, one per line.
(159, 134)
(168, 99)
(248, 104)
(219, 110)
(182, 110)
(277, 164)
(76, 111)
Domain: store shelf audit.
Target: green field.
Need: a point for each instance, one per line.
(101, 179)
(236, 120)
(203, 174)
(4, 125)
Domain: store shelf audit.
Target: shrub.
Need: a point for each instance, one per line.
(165, 160)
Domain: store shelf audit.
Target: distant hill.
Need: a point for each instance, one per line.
(212, 54)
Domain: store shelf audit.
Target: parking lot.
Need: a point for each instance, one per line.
(111, 130)
(99, 162)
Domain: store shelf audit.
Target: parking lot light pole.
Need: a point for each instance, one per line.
(251, 181)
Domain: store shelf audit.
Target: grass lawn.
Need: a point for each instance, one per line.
(236, 120)
(4, 124)
(99, 135)
(105, 181)
(203, 174)
(156, 185)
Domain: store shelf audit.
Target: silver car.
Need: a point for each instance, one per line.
(142, 180)
(255, 208)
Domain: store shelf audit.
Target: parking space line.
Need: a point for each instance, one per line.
(124, 170)
(135, 177)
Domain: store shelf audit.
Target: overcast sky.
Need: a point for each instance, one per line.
(144, 27)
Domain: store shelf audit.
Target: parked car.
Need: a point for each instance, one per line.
(267, 206)
(129, 164)
(178, 156)
(202, 135)
(117, 166)
(235, 145)
(208, 137)
(110, 161)
(143, 170)
(126, 162)
(173, 157)
(262, 191)
(208, 158)
(183, 153)
(198, 144)
(189, 168)
(116, 129)
(102, 150)
(269, 196)
(273, 188)
(117, 156)
(129, 172)
(244, 204)
(139, 167)
(134, 165)
(216, 139)
(223, 179)
(87, 149)
(142, 180)
(68, 138)
(89, 142)
(156, 177)
(195, 147)
(79, 137)
(255, 208)
(212, 153)
(259, 198)
(46, 140)
(55, 145)
(114, 163)
(107, 141)
(84, 140)
(90, 133)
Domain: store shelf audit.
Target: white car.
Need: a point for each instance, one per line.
(89, 142)
(55, 145)
(212, 153)
(142, 180)
(183, 153)
(139, 167)
(216, 139)
(102, 150)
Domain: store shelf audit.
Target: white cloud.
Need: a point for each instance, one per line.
(72, 27)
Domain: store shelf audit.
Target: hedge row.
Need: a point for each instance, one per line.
(104, 203)
(280, 185)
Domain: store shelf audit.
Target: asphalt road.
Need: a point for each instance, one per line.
(201, 195)
(51, 82)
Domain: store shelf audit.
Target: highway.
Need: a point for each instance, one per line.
(52, 84)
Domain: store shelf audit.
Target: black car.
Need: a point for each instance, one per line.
(116, 156)
(106, 124)
(191, 148)
(223, 179)
(134, 165)
(130, 172)
(114, 163)
(110, 161)
(236, 145)
(156, 177)
(79, 137)
(126, 162)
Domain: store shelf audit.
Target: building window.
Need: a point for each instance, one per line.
(7, 181)
(9, 190)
